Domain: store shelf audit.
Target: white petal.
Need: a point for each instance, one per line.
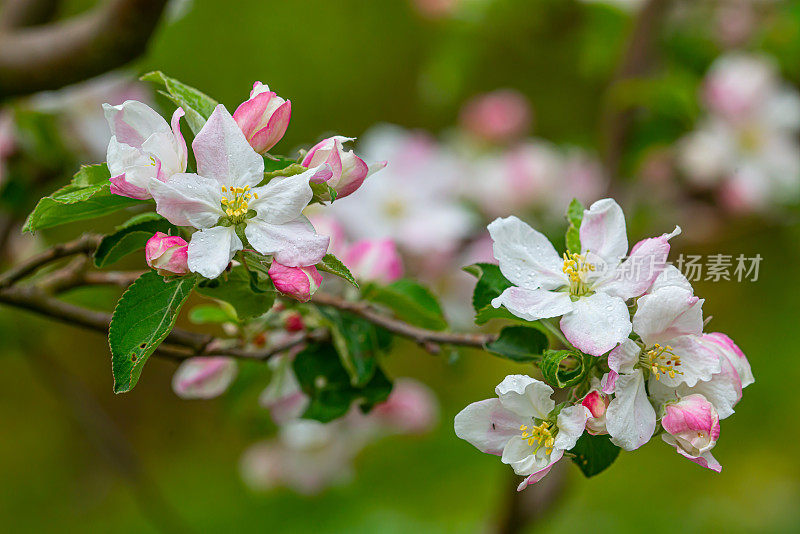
(487, 425)
(519, 455)
(630, 418)
(211, 250)
(671, 276)
(597, 323)
(571, 423)
(624, 357)
(223, 153)
(162, 145)
(132, 122)
(294, 244)
(536, 476)
(120, 157)
(188, 200)
(698, 362)
(603, 232)
(525, 396)
(283, 199)
(526, 257)
(667, 313)
(534, 304)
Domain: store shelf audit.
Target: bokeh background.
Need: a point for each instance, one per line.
(76, 458)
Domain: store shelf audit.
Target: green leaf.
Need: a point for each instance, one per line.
(197, 105)
(358, 343)
(143, 318)
(210, 314)
(410, 301)
(87, 196)
(519, 343)
(328, 386)
(563, 368)
(129, 237)
(332, 264)
(322, 193)
(574, 217)
(489, 312)
(491, 283)
(593, 454)
(237, 290)
(276, 165)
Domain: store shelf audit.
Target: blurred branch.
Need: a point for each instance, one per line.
(636, 61)
(22, 13)
(85, 244)
(53, 55)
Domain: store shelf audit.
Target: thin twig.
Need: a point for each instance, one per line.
(84, 245)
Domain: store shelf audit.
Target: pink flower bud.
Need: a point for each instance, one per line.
(596, 403)
(692, 426)
(497, 117)
(296, 282)
(374, 261)
(349, 171)
(263, 118)
(294, 322)
(410, 408)
(203, 378)
(168, 254)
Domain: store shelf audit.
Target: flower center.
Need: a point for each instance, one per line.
(234, 202)
(576, 268)
(539, 435)
(661, 360)
(394, 209)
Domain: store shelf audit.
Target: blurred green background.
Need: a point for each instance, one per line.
(76, 458)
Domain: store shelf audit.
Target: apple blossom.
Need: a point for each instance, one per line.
(522, 426)
(596, 401)
(203, 378)
(587, 289)
(167, 254)
(143, 149)
(224, 198)
(376, 261)
(298, 283)
(349, 171)
(263, 118)
(410, 409)
(692, 427)
(283, 397)
(497, 117)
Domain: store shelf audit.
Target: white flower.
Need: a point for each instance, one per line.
(588, 289)
(521, 427)
(223, 196)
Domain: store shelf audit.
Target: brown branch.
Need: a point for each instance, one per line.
(86, 244)
(21, 13)
(430, 340)
(60, 53)
(636, 60)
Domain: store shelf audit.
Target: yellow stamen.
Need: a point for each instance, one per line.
(661, 360)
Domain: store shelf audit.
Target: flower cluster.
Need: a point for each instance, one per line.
(647, 366)
(229, 204)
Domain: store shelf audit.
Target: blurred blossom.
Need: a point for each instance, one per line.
(627, 5)
(203, 378)
(80, 107)
(410, 408)
(435, 9)
(283, 397)
(413, 201)
(324, 224)
(747, 145)
(497, 117)
(375, 261)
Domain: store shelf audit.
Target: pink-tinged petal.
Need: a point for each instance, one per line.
(203, 378)
(168, 254)
(603, 232)
(188, 200)
(526, 257)
(132, 122)
(609, 382)
(293, 244)
(377, 261)
(411, 408)
(624, 356)
(223, 153)
(267, 137)
(667, 313)
(597, 323)
(211, 250)
(630, 418)
(536, 476)
(299, 283)
(498, 116)
(487, 425)
(250, 113)
(595, 402)
(671, 276)
(183, 151)
(283, 199)
(334, 161)
(644, 265)
(534, 304)
(354, 172)
(706, 459)
(120, 186)
(734, 354)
